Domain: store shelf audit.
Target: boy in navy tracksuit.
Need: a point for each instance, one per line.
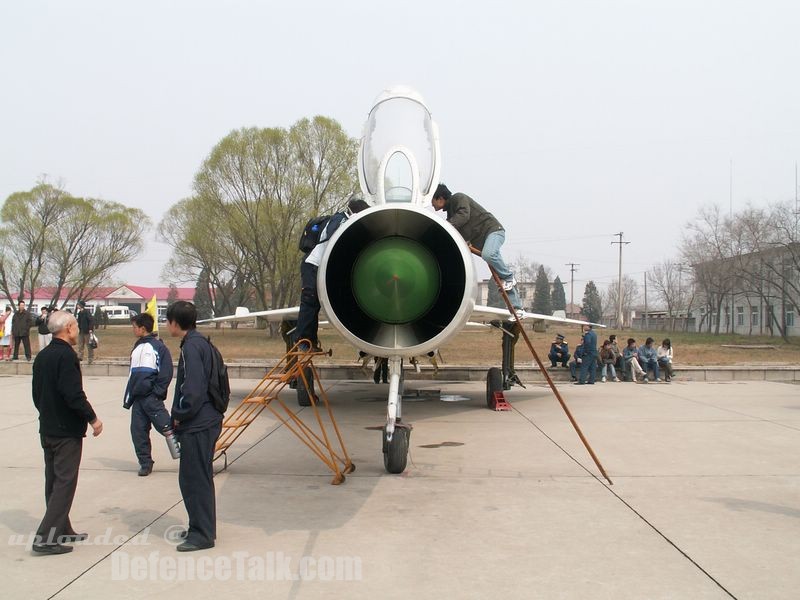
(198, 424)
(150, 375)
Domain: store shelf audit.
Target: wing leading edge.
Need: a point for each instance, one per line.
(490, 313)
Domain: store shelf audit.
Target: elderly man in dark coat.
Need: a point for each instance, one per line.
(64, 414)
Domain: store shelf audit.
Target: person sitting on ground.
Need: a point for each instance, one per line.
(617, 352)
(608, 359)
(559, 352)
(664, 354)
(630, 357)
(648, 358)
(577, 361)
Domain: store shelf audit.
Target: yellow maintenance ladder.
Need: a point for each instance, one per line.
(296, 365)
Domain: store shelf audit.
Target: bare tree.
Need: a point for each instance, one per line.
(667, 282)
(707, 246)
(630, 295)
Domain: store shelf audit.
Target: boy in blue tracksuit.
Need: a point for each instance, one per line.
(150, 375)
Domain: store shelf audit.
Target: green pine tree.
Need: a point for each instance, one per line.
(202, 298)
(558, 298)
(541, 294)
(592, 306)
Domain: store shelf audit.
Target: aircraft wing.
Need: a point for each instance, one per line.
(243, 314)
(490, 313)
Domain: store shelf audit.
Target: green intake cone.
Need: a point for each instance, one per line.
(396, 280)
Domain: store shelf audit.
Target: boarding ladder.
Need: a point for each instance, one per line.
(504, 405)
(297, 365)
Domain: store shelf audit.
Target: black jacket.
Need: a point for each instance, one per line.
(192, 407)
(85, 321)
(473, 221)
(41, 323)
(21, 326)
(58, 392)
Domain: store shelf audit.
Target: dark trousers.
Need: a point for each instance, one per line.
(588, 367)
(26, 343)
(62, 459)
(650, 364)
(308, 315)
(666, 366)
(559, 358)
(145, 411)
(196, 480)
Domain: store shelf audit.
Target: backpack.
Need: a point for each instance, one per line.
(219, 386)
(314, 228)
(312, 232)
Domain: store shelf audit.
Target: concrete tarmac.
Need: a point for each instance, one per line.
(705, 501)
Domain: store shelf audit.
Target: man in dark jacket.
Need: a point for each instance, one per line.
(480, 229)
(198, 424)
(21, 330)
(150, 375)
(63, 415)
(86, 328)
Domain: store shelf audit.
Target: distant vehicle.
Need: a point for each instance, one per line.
(118, 314)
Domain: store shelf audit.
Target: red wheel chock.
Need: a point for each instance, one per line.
(500, 402)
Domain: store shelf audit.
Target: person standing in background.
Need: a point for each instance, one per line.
(21, 329)
(85, 328)
(6, 321)
(41, 325)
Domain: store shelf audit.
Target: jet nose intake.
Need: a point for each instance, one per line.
(396, 280)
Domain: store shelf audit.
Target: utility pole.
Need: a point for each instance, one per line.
(620, 322)
(572, 270)
(646, 317)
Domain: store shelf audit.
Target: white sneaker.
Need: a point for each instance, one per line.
(520, 313)
(616, 379)
(603, 380)
(509, 284)
(658, 379)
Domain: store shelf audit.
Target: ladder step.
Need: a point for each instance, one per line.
(237, 424)
(255, 400)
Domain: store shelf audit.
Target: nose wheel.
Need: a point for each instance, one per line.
(395, 451)
(494, 383)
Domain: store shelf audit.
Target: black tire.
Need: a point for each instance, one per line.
(304, 395)
(494, 383)
(395, 453)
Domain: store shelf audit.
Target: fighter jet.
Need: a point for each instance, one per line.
(397, 280)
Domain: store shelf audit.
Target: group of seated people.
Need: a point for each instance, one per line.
(632, 363)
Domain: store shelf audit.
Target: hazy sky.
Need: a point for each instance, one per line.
(571, 121)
